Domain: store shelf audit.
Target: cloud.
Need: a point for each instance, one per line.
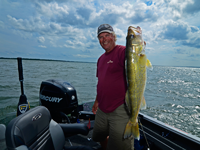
(51, 28)
(194, 56)
(192, 43)
(51, 10)
(180, 51)
(80, 2)
(182, 8)
(42, 46)
(41, 39)
(85, 15)
(175, 30)
(125, 13)
(194, 29)
(169, 26)
(2, 25)
(75, 13)
(68, 19)
(85, 12)
(192, 7)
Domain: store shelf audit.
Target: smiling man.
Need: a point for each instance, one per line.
(111, 116)
(107, 40)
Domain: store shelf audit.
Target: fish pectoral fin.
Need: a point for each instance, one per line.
(127, 101)
(149, 65)
(143, 104)
(132, 129)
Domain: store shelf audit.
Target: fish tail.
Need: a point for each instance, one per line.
(127, 132)
(132, 129)
(135, 131)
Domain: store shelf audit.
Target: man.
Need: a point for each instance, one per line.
(111, 116)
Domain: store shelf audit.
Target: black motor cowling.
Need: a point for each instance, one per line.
(60, 98)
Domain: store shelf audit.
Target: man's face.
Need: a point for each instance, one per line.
(107, 41)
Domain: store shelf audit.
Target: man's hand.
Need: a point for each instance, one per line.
(95, 107)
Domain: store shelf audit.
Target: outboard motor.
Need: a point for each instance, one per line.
(61, 100)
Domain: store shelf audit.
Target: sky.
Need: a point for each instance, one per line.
(67, 29)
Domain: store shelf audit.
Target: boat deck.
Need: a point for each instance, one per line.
(81, 140)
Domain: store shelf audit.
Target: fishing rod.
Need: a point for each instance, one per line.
(23, 104)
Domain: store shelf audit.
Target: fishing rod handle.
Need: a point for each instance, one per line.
(20, 69)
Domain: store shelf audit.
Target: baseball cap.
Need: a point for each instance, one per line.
(104, 28)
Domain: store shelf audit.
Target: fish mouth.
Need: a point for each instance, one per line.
(134, 39)
(132, 31)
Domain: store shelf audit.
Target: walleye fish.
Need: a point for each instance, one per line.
(136, 63)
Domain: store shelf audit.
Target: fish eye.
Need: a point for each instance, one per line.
(132, 36)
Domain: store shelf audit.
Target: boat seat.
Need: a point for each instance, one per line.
(2, 137)
(2, 131)
(36, 130)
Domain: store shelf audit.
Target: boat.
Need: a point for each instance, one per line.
(59, 111)
(161, 136)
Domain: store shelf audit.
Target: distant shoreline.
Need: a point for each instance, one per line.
(47, 60)
(85, 61)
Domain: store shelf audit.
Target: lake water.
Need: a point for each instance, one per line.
(172, 93)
